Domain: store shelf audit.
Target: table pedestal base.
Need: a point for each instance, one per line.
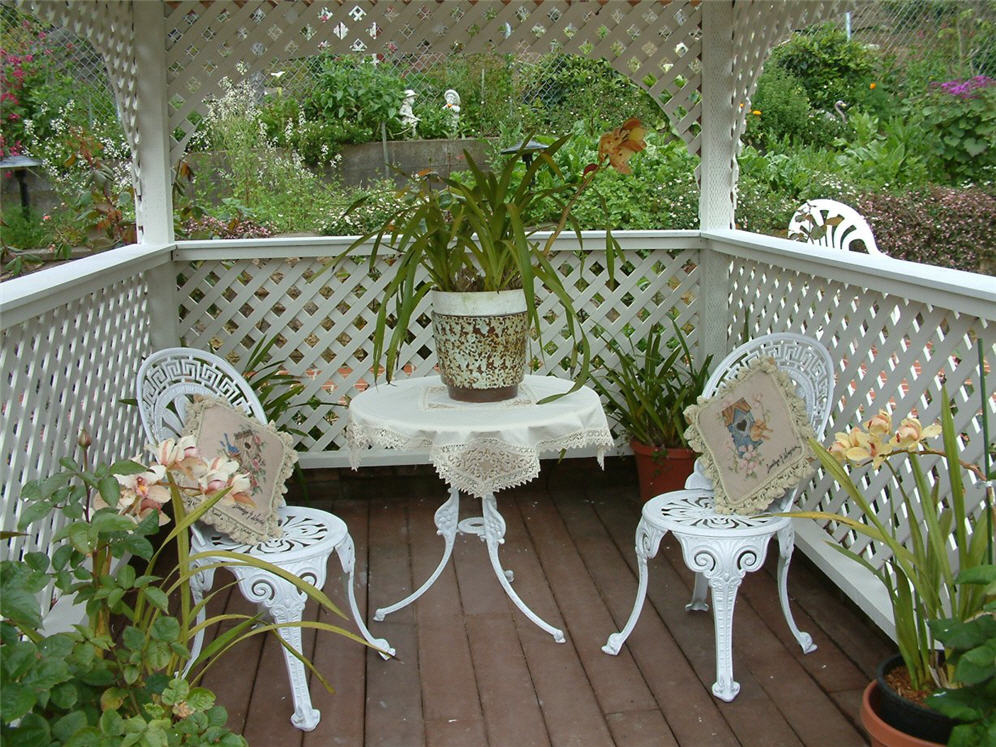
(491, 529)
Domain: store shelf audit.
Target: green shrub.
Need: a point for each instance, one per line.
(828, 65)
(890, 156)
(943, 226)
(779, 109)
(288, 127)
(960, 118)
(378, 203)
(562, 90)
(354, 98)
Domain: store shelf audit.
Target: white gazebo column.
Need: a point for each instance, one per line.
(153, 171)
(717, 174)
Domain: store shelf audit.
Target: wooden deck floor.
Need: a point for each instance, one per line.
(472, 670)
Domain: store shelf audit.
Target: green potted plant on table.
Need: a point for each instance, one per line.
(123, 675)
(646, 386)
(920, 575)
(473, 246)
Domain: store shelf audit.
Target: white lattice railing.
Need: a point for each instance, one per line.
(72, 342)
(897, 331)
(234, 294)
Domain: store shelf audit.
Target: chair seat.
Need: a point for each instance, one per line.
(692, 512)
(307, 532)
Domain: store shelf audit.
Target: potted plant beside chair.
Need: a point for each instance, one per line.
(923, 573)
(646, 386)
(472, 246)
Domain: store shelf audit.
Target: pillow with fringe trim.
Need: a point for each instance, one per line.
(752, 437)
(264, 453)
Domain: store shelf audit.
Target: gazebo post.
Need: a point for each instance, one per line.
(153, 170)
(717, 176)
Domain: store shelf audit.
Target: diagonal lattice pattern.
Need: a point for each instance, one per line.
(323, 324)
(65, 370)
(891, 353)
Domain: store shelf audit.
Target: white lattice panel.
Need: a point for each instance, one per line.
(65, 370)
(891, 353)
(228, 305)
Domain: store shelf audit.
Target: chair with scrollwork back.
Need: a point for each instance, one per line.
(833, 225)
(167, 383)
(722, 548)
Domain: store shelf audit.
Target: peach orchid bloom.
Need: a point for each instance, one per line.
(140, 494)
(181, 455)
(880, 424)
(619, 145)
(910, 433)
(223, 473)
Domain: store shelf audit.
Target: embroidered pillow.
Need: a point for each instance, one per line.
(264, 453)
(752, 437)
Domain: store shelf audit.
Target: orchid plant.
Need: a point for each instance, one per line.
(479, 235)
(920, 574)
(124, 676)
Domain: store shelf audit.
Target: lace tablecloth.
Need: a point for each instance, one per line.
(478, 448)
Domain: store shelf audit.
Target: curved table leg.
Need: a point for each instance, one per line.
(446, 524)
(648, 541)
(494, 535)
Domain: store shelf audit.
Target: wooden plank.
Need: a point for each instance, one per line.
(393, 689)
(394, 692)
(340, 660)
(641, 729)
(616, 682)
(450, 701)
(512, 713)
(570, 708)
(864, 643)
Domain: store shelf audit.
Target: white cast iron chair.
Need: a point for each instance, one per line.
(722, 549)
(844, 226)
(167, 382)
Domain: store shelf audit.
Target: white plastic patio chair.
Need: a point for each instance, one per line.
(844, 226)
(167, 382)
(723, 548)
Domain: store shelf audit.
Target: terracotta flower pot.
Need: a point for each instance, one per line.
(661, 470)
(880, 733)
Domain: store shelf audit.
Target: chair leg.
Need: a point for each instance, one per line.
(724, 589)
(786, 544)
(347, 556)
(700, 593)
(287, 606)
(723, 561)
(648, 541)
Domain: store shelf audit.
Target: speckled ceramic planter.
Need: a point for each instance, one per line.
(480, 343)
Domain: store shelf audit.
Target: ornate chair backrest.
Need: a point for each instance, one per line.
(806, 361)
(169, 379)
(847, 227)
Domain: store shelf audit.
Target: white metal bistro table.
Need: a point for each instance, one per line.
(477, 448)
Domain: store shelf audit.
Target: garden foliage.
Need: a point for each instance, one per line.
(830, 117)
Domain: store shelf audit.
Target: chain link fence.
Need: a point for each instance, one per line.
(957, 39)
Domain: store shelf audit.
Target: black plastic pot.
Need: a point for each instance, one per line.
(907, 716)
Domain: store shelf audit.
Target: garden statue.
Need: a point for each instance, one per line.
(453, 109)
(408, 118)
